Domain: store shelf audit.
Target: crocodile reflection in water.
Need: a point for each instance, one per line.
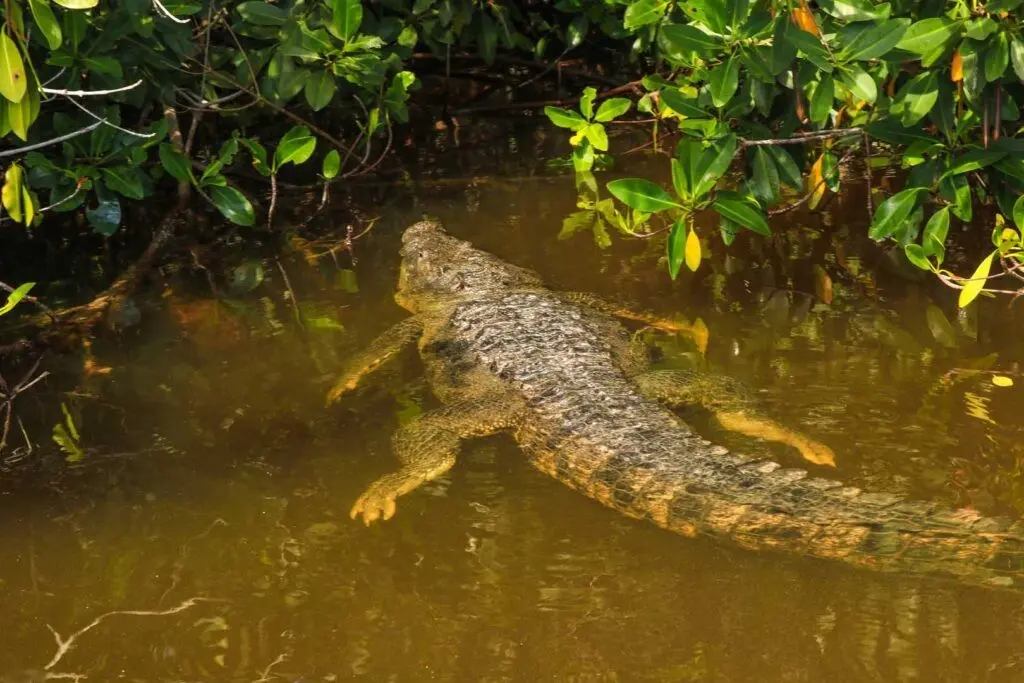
(558, 372)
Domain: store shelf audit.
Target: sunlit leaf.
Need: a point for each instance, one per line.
(12, 69)
(1002, 381)
(612, 108)
(12, 194)
(15, 297)
(563, 118)
(972, 288)
(296, 147)
(331, 165)
(692, 250)
(47, 22)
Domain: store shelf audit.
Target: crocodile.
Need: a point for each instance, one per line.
(565, 377)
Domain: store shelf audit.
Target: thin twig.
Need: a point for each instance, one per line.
(167, 13)
(64, 645)
(52, 141)
(801, 138)
(91, 93)
(108, 123)
(291, 292)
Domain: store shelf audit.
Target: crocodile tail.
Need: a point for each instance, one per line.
(760, 505)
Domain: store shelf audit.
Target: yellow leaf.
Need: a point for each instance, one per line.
(976, 283)
(11, 195)
(692, 250)
(815, 184)
(1001, 381)
(12, 69)
(804, 18)
(956, 74)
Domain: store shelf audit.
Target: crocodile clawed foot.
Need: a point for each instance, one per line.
(377, 502)
(817, 453)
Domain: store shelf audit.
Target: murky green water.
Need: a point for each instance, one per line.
(213, 470)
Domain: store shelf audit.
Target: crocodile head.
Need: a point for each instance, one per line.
(437, 267)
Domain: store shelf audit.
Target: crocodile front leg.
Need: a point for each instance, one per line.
(427, 447)
(697, 331)
(724, 397)
(387, 345)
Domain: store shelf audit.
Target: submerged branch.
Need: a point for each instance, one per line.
(64, 645)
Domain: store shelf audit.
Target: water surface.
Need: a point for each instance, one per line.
(213, 470)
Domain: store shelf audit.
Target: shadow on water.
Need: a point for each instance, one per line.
(239, 482)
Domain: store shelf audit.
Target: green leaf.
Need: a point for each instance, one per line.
(488, 38)
(12, 70)
(262, 13)
(563, 118)
(680, 178)
(681, 39)
(644, 12)
(972, 161)
(47, 22)
(875, 42)
(765, 179)
(21, 115)
(860, 83)
(789, 172)
(915, 253)
(1017, 56)
(642, 195)
(736, 208)
(331, 165)
(783, 52)
(296, 147)
(320, 89)
(124, 180)
(1018, 213)
(811, 47)
(598, 137)
(821, 101)
(924, 37)
(77, 4)
(176, 163)
(15, 297)
(612, 109)
(723, 81)
(685, 106)
(675, 246)
(232, 204)
(587, 103)
(855, 10)
(713, 164)
(972, 288)
(997, 57)
(893, 212)
(916, 98)
(956, 189)
(934, 239)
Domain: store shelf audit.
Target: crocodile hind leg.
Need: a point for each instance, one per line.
(426, 447)
(697, 331)
(726, 399)
(384, 347)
